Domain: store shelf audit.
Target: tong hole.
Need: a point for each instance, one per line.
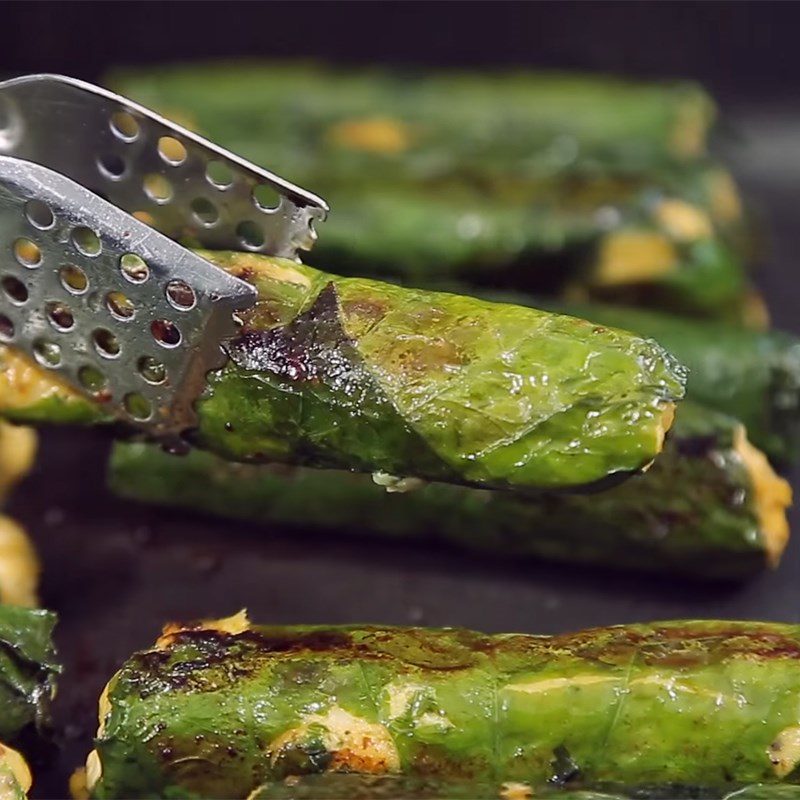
(205, 211)
(138, 406)
(6, 329)
(120, 306)
(73, 279)
(106, 343)
(266, 198)
(15, 290)
(133, 268)
(112, 166)
(250, 234)
(39, 215)
(152, 370)
(48, 354)
(181, 296)
(219, 174)
(60, 316)
(86, 241)
(158, 188)
(27, 253)
(166, 333)
(92, 379)
(124, 126)
(172, 150)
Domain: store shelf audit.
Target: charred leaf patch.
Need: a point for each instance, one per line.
(324, 396)
(565, 768)
(303, 758)
(312, 348)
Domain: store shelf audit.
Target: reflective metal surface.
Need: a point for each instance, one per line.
(120, 311)
(88, 284)
(188, 187)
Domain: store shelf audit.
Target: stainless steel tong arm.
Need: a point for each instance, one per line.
(94, 192)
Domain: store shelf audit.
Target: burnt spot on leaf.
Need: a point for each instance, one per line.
(189, 661)
(565, 768)
(681, 645)
(323, 395)
(422, 356)
(363, 312)
(218, 645)
(312, 350)
(302, 759)
(426, 649)
(244, 272)
(284, 640)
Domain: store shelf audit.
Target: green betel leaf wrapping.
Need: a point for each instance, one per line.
(221, 709)
(363, 375)
(500, 395)
(526, 180)
(702, 509)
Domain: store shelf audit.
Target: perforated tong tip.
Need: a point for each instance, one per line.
(94, 192)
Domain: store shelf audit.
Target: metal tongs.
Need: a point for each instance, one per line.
(94, 191)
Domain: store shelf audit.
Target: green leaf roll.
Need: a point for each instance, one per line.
(709, 507)
(356, 374)
(751, 375)
(536, 181)
(219, 709)
(336, 786)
